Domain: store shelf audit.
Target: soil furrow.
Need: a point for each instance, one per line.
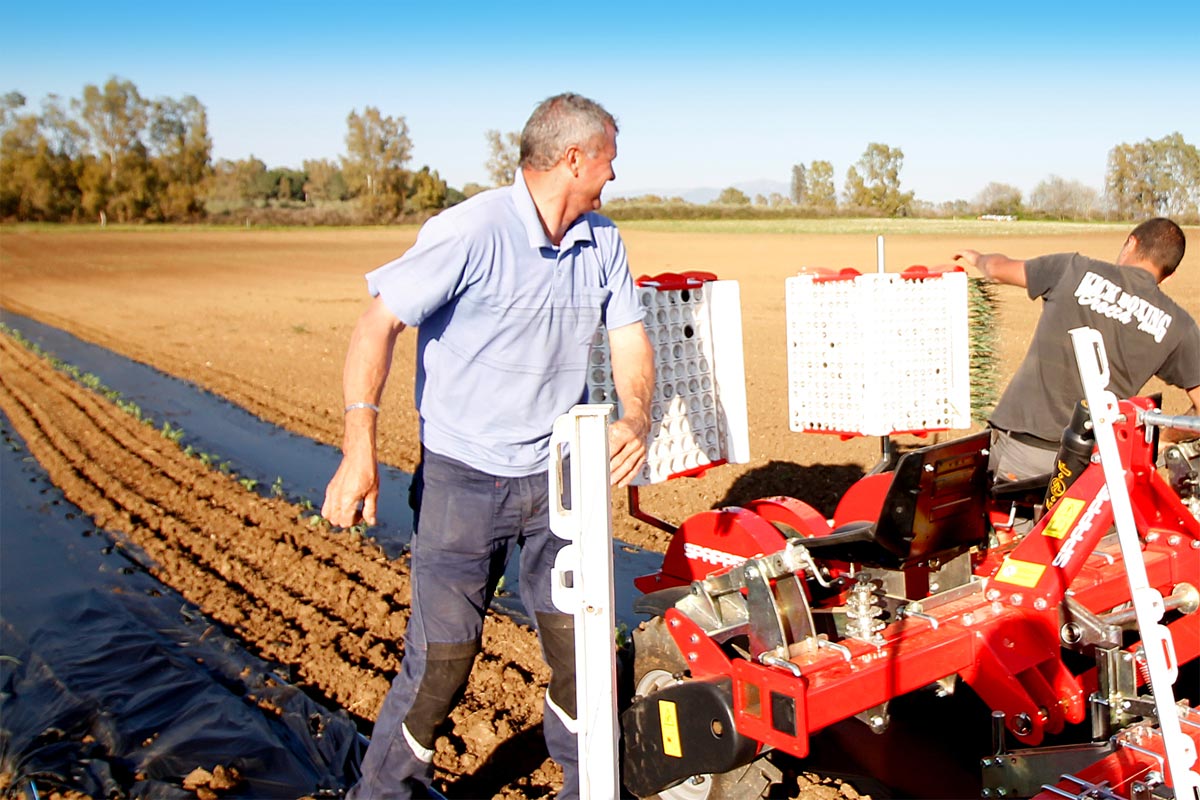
(185, 536)
(328, 606)
(244, 560)
(196, 481)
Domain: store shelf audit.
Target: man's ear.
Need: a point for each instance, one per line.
(573, 158)
(1127, 250)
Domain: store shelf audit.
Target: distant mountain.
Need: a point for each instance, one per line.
(706, 194)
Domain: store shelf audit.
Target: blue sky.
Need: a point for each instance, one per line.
(706, 94)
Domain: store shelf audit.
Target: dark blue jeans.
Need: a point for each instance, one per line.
(467, 523)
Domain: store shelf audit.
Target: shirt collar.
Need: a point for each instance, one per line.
(580, 230)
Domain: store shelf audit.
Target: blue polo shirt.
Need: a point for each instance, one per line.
(505, 323)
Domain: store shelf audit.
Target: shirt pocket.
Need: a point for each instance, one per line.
(537, 338)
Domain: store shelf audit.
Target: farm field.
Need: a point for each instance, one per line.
(263, 317)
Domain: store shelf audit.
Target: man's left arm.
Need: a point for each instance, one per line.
(633, 377)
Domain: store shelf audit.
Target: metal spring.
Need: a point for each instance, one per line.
(862, 612)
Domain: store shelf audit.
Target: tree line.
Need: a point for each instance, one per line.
(113, 154)
(1155, 177)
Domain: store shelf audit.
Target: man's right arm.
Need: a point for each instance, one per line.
(996, 266)
(1176, 434)
(368, 361)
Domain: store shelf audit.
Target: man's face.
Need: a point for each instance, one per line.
(597, 170)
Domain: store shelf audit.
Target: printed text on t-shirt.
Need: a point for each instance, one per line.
(1110, 300)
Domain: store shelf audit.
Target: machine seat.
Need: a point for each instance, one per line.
(935, 507)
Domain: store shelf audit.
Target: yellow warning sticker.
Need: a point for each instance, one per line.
(1064, 516)
(670, 728)
(1020, 573)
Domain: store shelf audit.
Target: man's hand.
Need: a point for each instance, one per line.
(969, 257)
(994, 266)
(353, 484)
(627, 450)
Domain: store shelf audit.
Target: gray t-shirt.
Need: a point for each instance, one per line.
(1145, 332)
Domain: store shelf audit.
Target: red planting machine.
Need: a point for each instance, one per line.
(771, 623)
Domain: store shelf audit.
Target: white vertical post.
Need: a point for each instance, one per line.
(879, 267)
(1148, 605)
(583, 586)
(729, 368)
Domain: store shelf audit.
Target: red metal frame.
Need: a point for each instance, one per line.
(710, 541)
(1118, 771)
(863, 500)
(1001, 639)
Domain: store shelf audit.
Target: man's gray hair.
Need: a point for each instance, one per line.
(559, 122)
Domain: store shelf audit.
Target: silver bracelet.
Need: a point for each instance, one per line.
(353, 406)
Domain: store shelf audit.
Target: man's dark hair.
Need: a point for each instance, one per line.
(1161, 242)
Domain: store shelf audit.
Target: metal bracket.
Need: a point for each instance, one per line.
(1147, 602)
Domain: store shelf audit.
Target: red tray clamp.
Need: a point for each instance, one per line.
(667, 281)
(918, 272)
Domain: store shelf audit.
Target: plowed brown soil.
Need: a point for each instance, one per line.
(329, 605)
(263, 318)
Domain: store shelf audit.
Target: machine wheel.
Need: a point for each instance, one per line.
(656, 658)
(657, 662)
(750, 782)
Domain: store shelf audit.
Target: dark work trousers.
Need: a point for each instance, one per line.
(467, 524)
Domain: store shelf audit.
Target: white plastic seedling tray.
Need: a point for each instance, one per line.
(878, 354)
(698, 411)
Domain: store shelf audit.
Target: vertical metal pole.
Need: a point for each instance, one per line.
(1147, 601)
(999, 747)
(583, 586)
(885, 441)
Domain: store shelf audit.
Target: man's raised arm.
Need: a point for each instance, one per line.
(996, 266)
(633, 377)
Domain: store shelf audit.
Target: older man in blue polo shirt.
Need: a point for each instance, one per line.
(506, 291)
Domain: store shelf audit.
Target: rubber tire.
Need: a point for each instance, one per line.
(658, 662)
(655, 651)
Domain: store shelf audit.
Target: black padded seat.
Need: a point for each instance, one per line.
(935, 507)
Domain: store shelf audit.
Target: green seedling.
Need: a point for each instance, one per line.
(622, 637)
(172, 433)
